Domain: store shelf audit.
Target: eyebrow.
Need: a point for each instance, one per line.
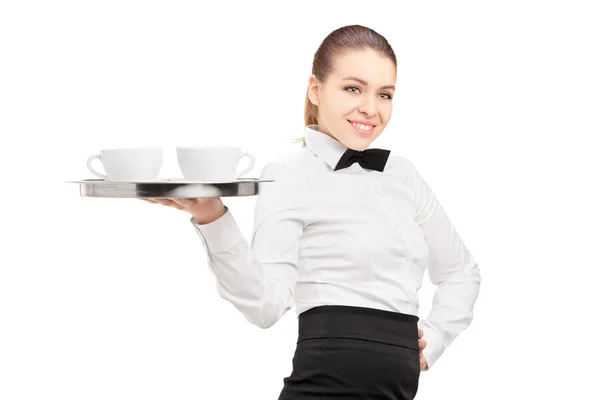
(364, 83)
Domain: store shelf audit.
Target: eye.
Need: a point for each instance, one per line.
(389, 96)
(352, 87)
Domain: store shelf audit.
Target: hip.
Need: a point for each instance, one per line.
(354, 352)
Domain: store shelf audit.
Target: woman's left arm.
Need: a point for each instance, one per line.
(451, 267)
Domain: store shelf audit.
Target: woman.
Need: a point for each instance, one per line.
(345, 233)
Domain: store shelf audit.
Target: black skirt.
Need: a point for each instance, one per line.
(346, 352)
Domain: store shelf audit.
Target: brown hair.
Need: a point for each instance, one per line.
(351, 37)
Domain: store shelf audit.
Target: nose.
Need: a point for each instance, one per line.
(368, 106)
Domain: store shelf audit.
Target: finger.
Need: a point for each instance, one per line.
(163, 201)
(423, 363)
(183, 201)
(420, 333)
(153, 201)
(422, 344)
(169, 203)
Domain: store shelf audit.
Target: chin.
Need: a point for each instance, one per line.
(356, 143)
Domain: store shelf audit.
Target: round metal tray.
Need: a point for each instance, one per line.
(176, 188)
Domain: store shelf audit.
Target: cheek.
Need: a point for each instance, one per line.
(342, 103)
(385, 111)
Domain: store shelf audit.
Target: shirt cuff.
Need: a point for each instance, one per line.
(434, 348)
(220, 235)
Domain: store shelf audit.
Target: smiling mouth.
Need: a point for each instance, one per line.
(363, 129)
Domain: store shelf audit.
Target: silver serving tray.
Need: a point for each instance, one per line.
(176, 188)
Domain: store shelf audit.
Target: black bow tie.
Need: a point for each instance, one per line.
(369, 159)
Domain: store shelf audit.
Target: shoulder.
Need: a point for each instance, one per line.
(287, 186)
(292, 163)
(400, 166)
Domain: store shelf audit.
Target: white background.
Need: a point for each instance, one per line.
(497, 105)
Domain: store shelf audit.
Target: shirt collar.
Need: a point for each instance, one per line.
(324, 146)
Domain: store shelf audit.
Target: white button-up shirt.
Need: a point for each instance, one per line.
(349, 237)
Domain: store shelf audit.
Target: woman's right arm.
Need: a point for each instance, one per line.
(259, 278)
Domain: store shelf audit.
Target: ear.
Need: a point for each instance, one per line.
(313, 90)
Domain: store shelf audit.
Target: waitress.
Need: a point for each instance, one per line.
(345, 233)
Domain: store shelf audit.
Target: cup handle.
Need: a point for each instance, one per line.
(249, 167)
(92, 170)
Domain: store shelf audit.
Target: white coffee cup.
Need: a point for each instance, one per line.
(212, 163)
(129, 164)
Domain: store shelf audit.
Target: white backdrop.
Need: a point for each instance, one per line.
(497, 105)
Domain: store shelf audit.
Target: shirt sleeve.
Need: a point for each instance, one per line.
(451, 267)
(259, 278)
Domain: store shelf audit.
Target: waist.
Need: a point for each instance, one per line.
(341, 321)
(399, 296)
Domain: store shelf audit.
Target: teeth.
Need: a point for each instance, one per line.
(363, 127)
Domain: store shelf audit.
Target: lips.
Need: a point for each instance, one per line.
(363, 128)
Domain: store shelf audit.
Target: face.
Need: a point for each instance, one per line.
(355, 101)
